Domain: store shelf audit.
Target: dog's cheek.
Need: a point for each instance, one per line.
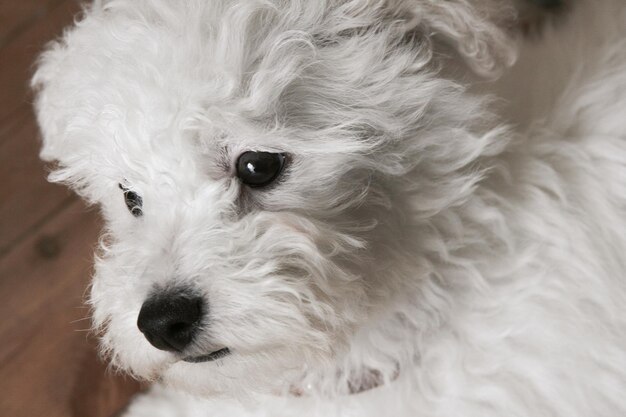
(292, 289)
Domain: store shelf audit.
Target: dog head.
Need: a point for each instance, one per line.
(268, 172)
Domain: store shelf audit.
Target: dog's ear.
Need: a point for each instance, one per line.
(477, 30)
(65, 140)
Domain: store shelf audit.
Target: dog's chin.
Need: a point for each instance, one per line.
(209, 357)
(232, 374)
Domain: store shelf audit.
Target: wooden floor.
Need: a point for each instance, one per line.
(48, 364)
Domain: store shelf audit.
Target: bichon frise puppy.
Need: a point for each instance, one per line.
(309, 213)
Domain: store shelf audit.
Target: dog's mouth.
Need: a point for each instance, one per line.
(218, 354)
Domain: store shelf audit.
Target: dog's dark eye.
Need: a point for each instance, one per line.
(259, 169)
(133, 201)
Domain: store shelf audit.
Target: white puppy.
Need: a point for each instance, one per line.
(307, 209)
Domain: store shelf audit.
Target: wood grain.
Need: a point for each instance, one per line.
(48, 364)
(16, 16)
(45, 349)
(26, 198)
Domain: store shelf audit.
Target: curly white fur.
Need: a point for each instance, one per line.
(414, 242)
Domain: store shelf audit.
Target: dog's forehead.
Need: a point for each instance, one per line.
(216, 63)
(172, 88)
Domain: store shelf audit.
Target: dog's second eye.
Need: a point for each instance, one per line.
(259, 169)
(133, 201)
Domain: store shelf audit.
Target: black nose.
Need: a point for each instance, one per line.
(170, 320)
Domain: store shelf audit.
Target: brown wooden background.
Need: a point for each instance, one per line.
(48, 364)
